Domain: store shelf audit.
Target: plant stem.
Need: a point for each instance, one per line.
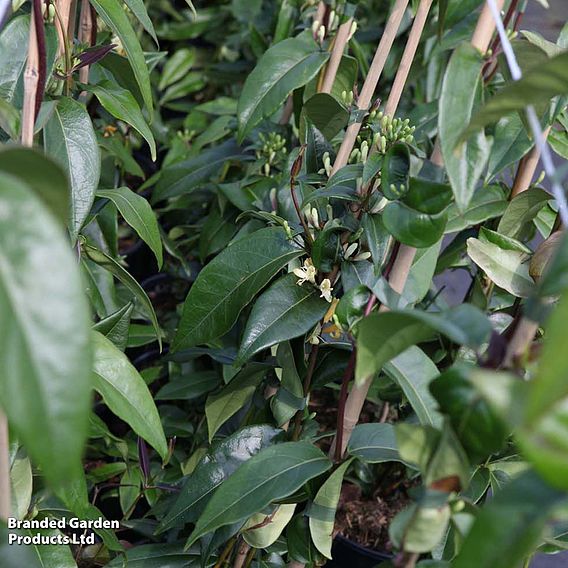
(32, 77)
(526, 169)
(5, 489)
(372, 80)
(242, 552)
(340, 43)
(408, 56)
(63, 9)
(522, 338)
(226, 552)
(85, 35)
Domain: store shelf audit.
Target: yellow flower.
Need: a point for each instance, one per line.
(326, 290)
(329, 314)
(307, 273)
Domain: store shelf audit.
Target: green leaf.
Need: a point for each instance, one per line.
(42, 175)
(70, 139)
(282, 312)
(156, 556)
(221, 406)
(12, 57)
(9, 119)
(487, 203)
(509, 269)
(322, 513)
(428, 196)
(273, 474)
(290, 396)
(44, 351)
(126, 394)
(383, 336)
(122, 105)
(176, 67)
(108, 263)
(189, 387)
(268, 527)
(218, 464)
(138, 8)
(114, 16)
(395, 170)
(478, 428)
(229, 282)
(414, 371)
(326, 114)
(464, 162)
(50, 555)
(411, 227)
(21, 482)
(544, 437)
(183, 177)
(116, 326)
(508, 528)
(538, 85)
(374, 443)
(286, 66)
(523, 209)
(139, 215)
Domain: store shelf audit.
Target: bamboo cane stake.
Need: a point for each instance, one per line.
(85, 35)
(527, 169)
(5, 489)
(31, 84)
(375, 71)
(341, 40)
(406, 254)
(63, 8)
(408, 56)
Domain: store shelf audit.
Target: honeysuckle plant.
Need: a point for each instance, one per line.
(309, 177)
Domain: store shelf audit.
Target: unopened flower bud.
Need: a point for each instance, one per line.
(321, 34)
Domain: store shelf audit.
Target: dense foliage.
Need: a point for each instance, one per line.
(224, 255)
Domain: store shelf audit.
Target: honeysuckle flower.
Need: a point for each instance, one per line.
(326, 290)
(307, 273)
(349, 250)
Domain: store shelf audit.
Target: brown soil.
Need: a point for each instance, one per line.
(366, 520)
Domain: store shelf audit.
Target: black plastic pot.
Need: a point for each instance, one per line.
(348, 554)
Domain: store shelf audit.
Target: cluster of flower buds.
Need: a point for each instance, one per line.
(347, 98)
(319, 31)
(349, 251)
(327, 167)
(391, 130)
(360, 155)
(272, 150)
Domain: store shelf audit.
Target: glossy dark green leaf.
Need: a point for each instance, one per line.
(352, 305)
(465, 161)
(381, 337)
(183, 177)
(478, 428)
(70, 139)
(326, 247)
(286, 66)
(42, 175)
(189, 387)
(114, 16)
(45, 351)
(121, 104)
(290, 396)
(414, 371)
(137, 212)
(487, 203)
(538, 85)
(156, 556)
(326, 114)
(283, 312)
(508, 529)
(272, 474)
(221, 461)
(395, 171)
(374, 443)
(125, 393)
(224, 404)
(412, 228)
(522, 209)
(177, 65)
(116, 326)
(108, 263)
(12, 56)
(229, 282)
(428, 196)
(378, 238)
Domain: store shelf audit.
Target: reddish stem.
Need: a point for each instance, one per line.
(42, 54)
